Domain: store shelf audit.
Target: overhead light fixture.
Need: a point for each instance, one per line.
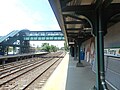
(71, 42)
(87, 29)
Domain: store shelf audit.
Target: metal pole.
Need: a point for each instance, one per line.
(75, 52)
(101, 51)
(100, 73)
(79, 64)
(98, 82)
(79, 52)
(97, 43)
(72, 51)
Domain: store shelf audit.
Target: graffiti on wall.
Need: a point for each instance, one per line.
(90, 50)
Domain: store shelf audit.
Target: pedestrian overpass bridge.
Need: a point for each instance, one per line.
(44, 36)
(21, 38)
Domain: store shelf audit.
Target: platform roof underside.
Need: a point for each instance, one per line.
(72, 21)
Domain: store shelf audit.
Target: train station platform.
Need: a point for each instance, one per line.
(69, 77)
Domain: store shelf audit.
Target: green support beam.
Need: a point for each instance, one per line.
(79, 45)
(83, 8)
(100, 73)
(97, 14)
(79, 64)
(106, 3)
(75, 52)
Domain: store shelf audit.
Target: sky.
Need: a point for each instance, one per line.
(35, 15)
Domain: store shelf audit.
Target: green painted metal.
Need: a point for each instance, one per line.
(101, 49)
(72, 50)
(75, 52)
(95, 13)
(98, 82)
(44, 36)
(79, 45)
(3, 50)
(21, 38)
(11, 34)
(100, 73)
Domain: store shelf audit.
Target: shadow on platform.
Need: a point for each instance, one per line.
(79, 78)
(69, 77)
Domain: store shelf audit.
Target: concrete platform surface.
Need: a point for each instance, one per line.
(69, 77)
(57, 80)
(79, 78)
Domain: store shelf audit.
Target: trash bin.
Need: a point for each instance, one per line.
(82, 54)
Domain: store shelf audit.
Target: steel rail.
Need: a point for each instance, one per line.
(23, 72)
(43, 72)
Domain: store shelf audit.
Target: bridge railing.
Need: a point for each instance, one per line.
(44, 35)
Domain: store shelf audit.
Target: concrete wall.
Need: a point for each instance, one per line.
(112, 38)
(112, 64)
(89, 48)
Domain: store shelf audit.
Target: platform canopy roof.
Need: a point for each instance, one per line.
(73, 16)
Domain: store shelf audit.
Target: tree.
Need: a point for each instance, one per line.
(45, 47)
(53, 48)
(66, 46)
(44, 44)
(48, 48)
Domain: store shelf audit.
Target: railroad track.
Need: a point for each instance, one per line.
(18, 64)
(30, 85)
(11, 79)
(13, 64)
(2, 67)
(33, 84)
(18, 69)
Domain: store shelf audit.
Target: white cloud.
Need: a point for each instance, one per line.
(14, 15)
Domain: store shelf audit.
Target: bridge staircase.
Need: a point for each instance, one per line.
(21, 38)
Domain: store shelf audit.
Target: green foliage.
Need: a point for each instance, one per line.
(49, 48)
(53, 48)
(44, 44)
(45, 47)
(66, 46)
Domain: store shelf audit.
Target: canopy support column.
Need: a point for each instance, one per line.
(75, 52)
(100, 72)
(79, 64)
